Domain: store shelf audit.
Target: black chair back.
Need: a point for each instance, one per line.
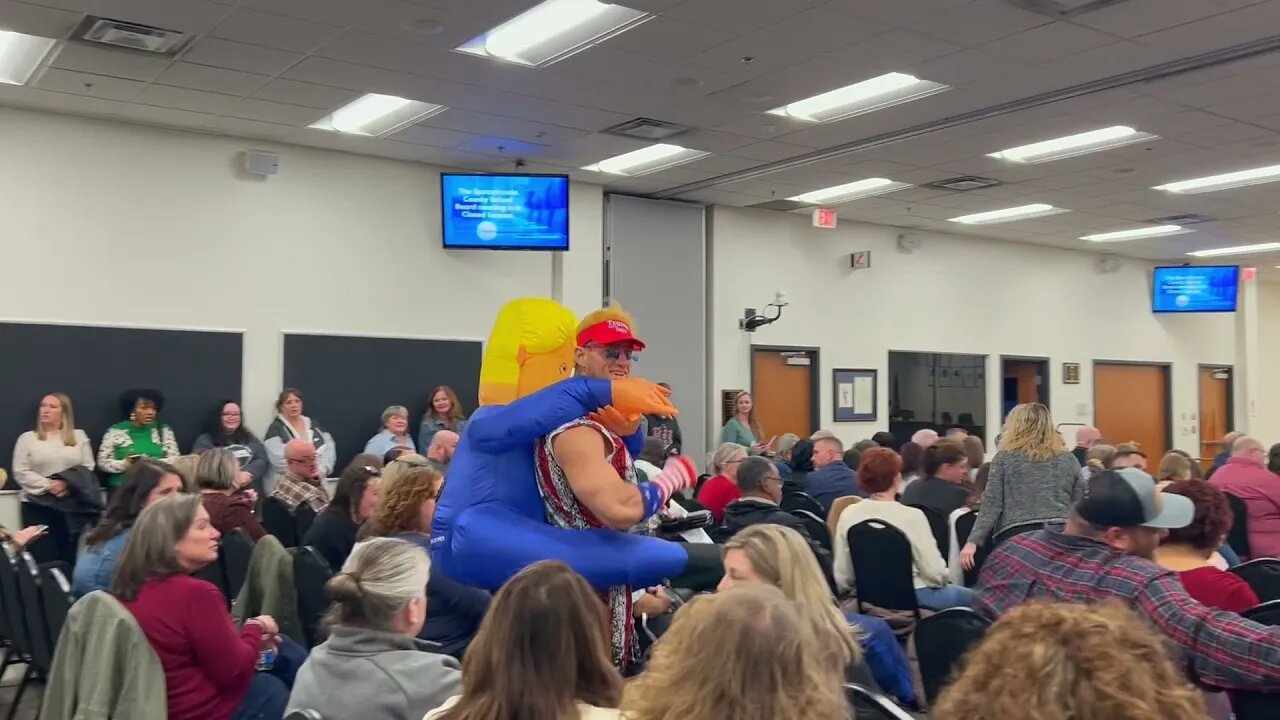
(303, 516)
(55, 595)
(1014, 531)
(940, 529)
(1258, 705)
(802, 501)
(964, 526)
(816, 528)
(310, 573)
(33, 613)
(882, 566)
(278, 521)
(941, 640)
(1238, 535)
(1263, 575)
(867, 703)
(11, 599)
(234, 554)
(214, 573)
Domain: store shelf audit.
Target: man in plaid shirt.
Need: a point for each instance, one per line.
(301, 482)
(1105, 553)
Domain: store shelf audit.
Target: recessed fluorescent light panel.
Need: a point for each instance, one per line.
(849, 191)
(1271, 173)
(858, 98)
(376, 115)
(553, 30)
(1022, 212)
(1072, 145)
(20, 55)
(647, 160)
(1136, 233)
(1238, 250)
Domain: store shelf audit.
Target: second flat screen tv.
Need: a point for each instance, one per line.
(505, 212)
(1195, 289)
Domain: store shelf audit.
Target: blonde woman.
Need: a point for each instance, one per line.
(53, 464)
(1097, 459)
(747, 653)
(1174, 467)
(1064, 662)
(743, 428)
(779, 556)
(1034, 480)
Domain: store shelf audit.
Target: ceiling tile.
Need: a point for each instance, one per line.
(211, 79)
(293, 92)
(329, 12)
(770, 151)
(116, 63)
(1139, 17)
(819, 30)
(324, 71)
(894, 50)
(101, 86)
(897, 11)
(478, 123)
(189, 16)
(36, 20)
(275, 31)
(239, 56)
(1048, 42)
(439, 137)
(979, 22)
(185, 99)
(274, 112)
(507, 148)
(737, 16)
(668, 39)
(1232, 28)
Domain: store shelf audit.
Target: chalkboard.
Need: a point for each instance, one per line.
(347, 381)
(93, 365)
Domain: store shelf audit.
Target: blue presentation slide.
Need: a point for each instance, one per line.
(1195, 289)
(505, 212)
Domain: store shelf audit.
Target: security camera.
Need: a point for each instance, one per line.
(780, 298)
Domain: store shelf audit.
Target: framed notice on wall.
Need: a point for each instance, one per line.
(854, 395)
(1070, 373)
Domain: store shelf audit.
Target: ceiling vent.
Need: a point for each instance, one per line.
(1063, 9)
(647, 129)
(1184, 219)
(129, 36)
(964, 183)
(782, 205)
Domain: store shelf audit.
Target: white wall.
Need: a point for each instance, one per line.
(1267, 423)
(957, 294)
(128, 225)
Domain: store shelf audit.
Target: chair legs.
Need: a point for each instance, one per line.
(22, 686)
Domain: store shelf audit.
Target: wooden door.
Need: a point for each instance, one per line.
(1215, 408)
(783, 391)
(1131, 404)
(1027, 374)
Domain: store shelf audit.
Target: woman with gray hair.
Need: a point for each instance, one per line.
(722, 488)
(395, 432)
(229, 503)
(210, 666)
(372, 667)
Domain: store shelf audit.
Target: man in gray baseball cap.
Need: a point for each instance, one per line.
(1102, 555)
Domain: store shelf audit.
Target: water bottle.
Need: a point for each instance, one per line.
(266, 660)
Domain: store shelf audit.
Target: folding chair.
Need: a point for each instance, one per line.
(801, 501)
(868, 703)
(310, 573)
(16, 621)
(1238, 535)
(279, 521)
(941, 640)
(940, 529)
(55, 596)
(1258, 705)
(1263, 575)
(882, 567)
(234, 554)
(816, 528)
(303, 516)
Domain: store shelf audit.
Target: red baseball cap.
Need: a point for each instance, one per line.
(609, 332)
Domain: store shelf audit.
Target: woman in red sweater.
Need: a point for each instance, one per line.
(1187, 550)
(209, 665)
(722, 488)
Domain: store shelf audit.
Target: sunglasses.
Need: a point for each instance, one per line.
(616, 354)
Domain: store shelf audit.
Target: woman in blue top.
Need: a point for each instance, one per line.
(145, 482)
(444, 412)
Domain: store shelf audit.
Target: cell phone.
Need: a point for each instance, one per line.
(134, 457)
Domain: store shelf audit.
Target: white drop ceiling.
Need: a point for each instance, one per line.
(265, 69)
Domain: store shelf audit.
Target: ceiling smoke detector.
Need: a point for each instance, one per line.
(647, 129)
(129, 36)
(964, 183)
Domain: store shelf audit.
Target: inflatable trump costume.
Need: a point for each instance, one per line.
(491, 520)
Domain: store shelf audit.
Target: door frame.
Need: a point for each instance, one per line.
(1231, 392)
(1048, 368)
(815, 376)
(1168, 394)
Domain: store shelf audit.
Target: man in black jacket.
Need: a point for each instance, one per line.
(761, 487)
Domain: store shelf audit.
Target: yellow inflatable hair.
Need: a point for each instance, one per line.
(530, 347)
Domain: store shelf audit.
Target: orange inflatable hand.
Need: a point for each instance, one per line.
(641, 397)
(616, 422)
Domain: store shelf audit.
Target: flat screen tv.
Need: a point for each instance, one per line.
(505, 212)
(1195, 289)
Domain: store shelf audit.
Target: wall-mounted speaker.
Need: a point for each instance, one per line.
(259, 162)
(1108, 264)
(909, 243)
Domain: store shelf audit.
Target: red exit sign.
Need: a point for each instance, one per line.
(1250, 274)
(824, 218)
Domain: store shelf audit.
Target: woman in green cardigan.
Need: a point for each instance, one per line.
(139, 436)
(743, 428)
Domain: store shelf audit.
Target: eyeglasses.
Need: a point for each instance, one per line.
(303, 459)
(616, 354)
(230, 414)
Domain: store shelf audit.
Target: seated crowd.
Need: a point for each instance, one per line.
(1092, 571)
